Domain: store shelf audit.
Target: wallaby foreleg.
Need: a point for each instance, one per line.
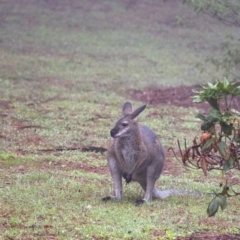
(117, 178)
(148, 187)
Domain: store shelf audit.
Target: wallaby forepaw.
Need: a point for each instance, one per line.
(139, 202)
(127, 177)
(106, 199)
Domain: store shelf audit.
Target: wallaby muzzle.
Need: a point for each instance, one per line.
(113, 132)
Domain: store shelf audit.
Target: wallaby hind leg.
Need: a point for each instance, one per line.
(143, 185)
(149, 190)
(148, 194)
(156, 192)
(148, 186)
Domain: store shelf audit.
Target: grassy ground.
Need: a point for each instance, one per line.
(66, 69)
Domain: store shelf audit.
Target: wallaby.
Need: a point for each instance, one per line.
(135, 154)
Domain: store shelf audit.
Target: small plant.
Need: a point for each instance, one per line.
(219, 145)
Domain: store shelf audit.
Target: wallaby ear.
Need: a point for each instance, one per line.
(134, 114)
(127, 109)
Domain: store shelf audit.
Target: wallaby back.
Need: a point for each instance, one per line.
(135, 154)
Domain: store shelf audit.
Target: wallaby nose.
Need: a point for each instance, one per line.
(113, 132)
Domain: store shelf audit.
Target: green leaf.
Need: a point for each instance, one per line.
(220, 85)
(202, 117)
(213, 206)
(226, 84)
(226, 128)
(223, 202)
(215, 114)
(206, 125)
(211, 86)
(197, 99)
(222, 146)
(236, 91)
(228, 164)
(213, 103)
(208, 143)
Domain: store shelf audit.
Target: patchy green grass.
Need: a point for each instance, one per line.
(66, 70)
(51, 203)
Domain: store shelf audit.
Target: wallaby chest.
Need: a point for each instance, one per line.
(128, 153)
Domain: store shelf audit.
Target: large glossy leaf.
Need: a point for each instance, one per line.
(228, 164)
(198, 99)
(202, 117)
(208, 123)
(226, 85)
(211, 86)
(220, 85)
(223, 202)
(222, 147)
(213, 206)
(213, 102)
(215, 114)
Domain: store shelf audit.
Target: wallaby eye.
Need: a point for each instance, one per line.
(124, 124)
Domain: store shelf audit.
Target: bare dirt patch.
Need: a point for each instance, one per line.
(178, 96)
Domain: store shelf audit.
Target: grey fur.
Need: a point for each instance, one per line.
(136, 154)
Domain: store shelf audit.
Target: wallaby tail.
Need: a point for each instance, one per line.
(175, 192)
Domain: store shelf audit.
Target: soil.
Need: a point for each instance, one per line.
(178, 96)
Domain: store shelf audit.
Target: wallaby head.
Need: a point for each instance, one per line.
(124, 125)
